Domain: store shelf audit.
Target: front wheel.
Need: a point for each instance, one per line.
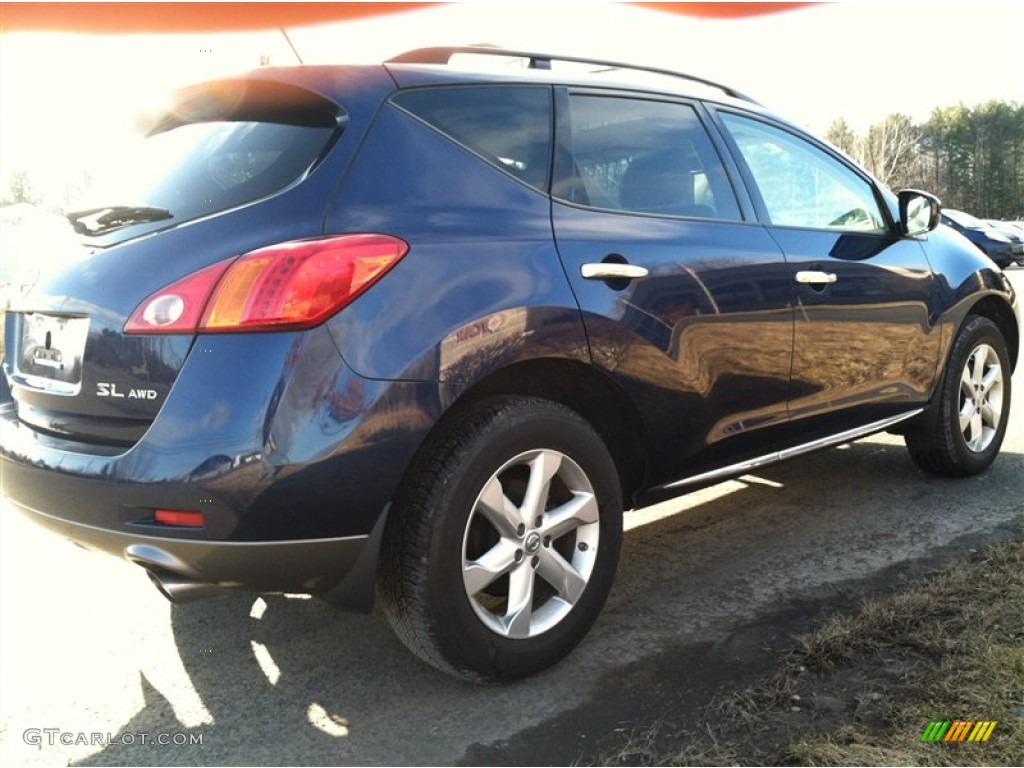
(503, 546)
(962, 431)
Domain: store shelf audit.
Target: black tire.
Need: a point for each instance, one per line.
(440, 531)
(939, 442)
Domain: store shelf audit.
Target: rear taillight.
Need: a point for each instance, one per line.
(292, 285)
(178, 308)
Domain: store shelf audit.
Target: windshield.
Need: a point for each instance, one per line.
(965, 219)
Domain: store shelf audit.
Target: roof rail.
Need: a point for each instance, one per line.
(444, 54)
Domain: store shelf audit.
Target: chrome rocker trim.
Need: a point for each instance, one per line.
(771, 458)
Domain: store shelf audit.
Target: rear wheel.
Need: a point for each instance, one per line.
(502, 548)
(962, 431)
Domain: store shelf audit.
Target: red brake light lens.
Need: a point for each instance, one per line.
(292, 285)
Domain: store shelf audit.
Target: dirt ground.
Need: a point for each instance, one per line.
(745, 697)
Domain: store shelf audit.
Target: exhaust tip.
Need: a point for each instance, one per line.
(181, 589)
(165, 571)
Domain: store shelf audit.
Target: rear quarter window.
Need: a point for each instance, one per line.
(508, 126)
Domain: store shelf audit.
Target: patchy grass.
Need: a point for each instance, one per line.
(861, 689)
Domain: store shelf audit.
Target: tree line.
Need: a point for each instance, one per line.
(971, 158)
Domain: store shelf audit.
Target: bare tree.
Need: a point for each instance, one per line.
(890, 151)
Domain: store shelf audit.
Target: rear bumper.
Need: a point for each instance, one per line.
(290, 457)
(275, 566)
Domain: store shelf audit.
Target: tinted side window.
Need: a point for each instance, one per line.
(509, 126)
(801, 185)
(648, 157)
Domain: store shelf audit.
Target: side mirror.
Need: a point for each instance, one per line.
(919, 212)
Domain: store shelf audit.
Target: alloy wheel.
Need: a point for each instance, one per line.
(530, 544)
(981, 398)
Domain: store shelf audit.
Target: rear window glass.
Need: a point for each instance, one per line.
(508, 126)
(219, 146)
(204, 167)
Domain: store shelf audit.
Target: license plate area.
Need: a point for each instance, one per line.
(50, 352)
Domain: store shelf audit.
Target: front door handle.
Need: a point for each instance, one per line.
(610, 270)
(814, 277)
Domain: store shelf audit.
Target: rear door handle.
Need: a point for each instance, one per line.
(814, 277)
(610, 270)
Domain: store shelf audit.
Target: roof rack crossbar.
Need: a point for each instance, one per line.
(444, 54)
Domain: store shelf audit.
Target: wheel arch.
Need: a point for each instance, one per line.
(999, 312)
(589, 393)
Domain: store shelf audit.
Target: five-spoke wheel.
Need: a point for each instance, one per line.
(962, 430)
(531, 543)
(501, 549)
(981, 398)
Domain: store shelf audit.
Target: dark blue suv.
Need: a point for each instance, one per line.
(425, 332)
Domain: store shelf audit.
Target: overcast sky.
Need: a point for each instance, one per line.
(65, 99)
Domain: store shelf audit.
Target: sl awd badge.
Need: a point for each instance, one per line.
(108, 389)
